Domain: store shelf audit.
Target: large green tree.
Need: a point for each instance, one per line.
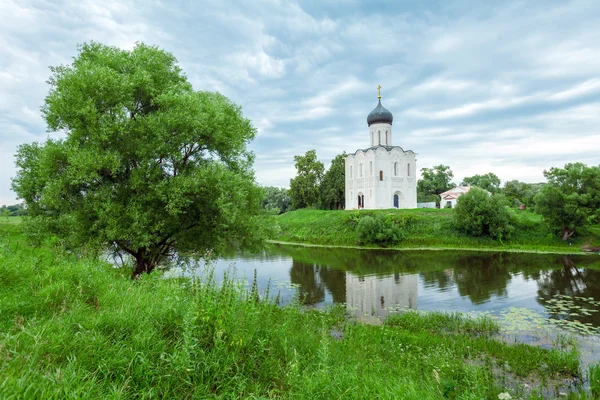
(147, 166)
(434, 181)
(518, 192)
(333, 185)
(571, 198)
(304, 188)
(276, 200)
(489, 182)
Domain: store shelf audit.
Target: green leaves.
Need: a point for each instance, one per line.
(147, 163)
(479, 214)
(571, 198)
(304, 188)
(434, 181)
(379, 229)
(489, 182)
(333, 185)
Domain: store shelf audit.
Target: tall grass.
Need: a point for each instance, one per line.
(79, 328)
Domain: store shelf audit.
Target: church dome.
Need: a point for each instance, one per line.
(380, 115)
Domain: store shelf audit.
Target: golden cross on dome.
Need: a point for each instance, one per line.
(379, 91)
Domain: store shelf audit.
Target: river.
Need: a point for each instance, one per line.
(375, 283)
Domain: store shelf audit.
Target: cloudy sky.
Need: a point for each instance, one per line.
(482, 86)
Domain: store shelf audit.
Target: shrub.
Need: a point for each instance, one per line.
(379, 230)
(479, 214)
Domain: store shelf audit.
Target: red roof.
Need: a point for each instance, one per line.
(455, 193)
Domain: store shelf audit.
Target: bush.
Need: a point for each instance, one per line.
(479, 214)
(379, 230)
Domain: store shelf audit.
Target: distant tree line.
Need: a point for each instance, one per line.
(569, 201)
(15, 210)
(438, 179)
(313, 187)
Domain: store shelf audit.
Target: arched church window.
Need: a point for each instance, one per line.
(370, 167)
(351, 172)
(387, 138)
(360, 169)
(380, 175)
(396, 168)
(408, 169)
(372, 138)
(379, 133)
(371, 193)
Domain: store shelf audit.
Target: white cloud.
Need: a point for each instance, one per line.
(511, 89)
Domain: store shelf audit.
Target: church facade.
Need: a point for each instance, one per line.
(382, 175)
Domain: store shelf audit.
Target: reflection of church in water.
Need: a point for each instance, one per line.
(380, 296)
(364, 295)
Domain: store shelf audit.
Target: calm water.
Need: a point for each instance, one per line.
(375, 283)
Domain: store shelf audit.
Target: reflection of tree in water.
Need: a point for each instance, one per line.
(442, 279)
(335, 282)
(481, 277)
(574, 282)
(477, 276)
(313, 279)
(307, 277)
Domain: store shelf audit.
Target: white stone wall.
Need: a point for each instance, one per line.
(444, 202)
(386, 134)
(379, 194)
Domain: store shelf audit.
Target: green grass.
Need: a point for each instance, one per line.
(425, 229)
(10, 220)
(77, 328)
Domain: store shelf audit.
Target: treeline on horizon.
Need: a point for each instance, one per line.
(568, 202)
(313, 187)
(15, 210)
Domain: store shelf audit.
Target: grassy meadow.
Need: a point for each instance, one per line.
(76, 327)
(426, 229)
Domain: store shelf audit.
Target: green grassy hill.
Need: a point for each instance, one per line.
(425, 228)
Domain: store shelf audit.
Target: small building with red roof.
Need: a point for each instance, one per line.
(448, 198)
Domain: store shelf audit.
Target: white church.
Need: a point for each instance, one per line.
(382, 175)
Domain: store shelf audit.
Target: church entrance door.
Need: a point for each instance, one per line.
(396, 205)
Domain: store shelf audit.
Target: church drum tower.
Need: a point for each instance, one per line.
(382, 175)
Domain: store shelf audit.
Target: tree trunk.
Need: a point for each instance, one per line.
(567, 233)
(143, 264)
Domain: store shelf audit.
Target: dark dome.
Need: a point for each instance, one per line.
(380, 114)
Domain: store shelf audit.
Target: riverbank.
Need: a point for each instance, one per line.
(75, 327)
(425, 229)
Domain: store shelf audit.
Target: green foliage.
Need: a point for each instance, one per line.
(594, 379)
(379, 229)
(148, 165)
(489, 182)
(444, 323)
(276, 200)
(304, 188)
(333, 185)
(518, 192)
(425, 228)
(434, 181)
(571, 198)
(78, 328)
(15, 210)
(479, 214)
